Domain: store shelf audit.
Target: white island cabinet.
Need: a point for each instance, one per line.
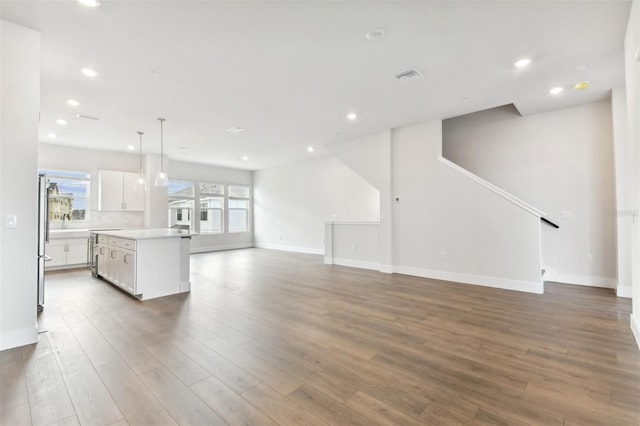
(147, 263)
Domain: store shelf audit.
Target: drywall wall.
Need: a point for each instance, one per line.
(292, 203)
(632, 80)
(623, 212)
(20, 94)
(447, 226)
(66, 158)
(352, 244)
(59, 157)
(370, 157)
(212, 174)
(559, 161)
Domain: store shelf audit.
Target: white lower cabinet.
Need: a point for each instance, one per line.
(117, 262)
(67, 253)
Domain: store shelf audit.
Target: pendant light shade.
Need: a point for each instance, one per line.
(141, 180)
(161, 178)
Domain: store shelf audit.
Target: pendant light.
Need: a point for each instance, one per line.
(141, 180)
(161, 177)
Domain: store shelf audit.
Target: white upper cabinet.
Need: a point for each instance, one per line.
(116, 192)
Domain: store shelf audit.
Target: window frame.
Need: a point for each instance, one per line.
(64, 174)
(248, 209)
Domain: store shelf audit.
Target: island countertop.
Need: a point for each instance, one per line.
(148, 234)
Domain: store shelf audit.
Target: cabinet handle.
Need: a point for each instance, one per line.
(125, 259)
(102, 250)
(113, 252)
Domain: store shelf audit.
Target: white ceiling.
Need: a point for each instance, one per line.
(289, 72)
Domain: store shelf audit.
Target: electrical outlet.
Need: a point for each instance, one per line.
(444, 255)
(280, 237)
(354, 247)
(589, 258)
(322, 240)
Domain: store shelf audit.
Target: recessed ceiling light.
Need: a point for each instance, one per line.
(310, 149)
(90, 3)
(235, 129)
(375, 34)
(131, 147)
(73, 102)
(61, 122)
(352, 116)
(52, 135)
(183, 148)
(581, 68)
(521, 63)
(556, 90)
(245, 158)
(583, 85)
(89, 72)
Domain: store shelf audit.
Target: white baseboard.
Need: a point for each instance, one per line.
(15, 338)
(387, 269)
(207, 249)
(586, 280)
(507, 284)
(362, 264)
(290, 248)
(623, 291)
(635, 328)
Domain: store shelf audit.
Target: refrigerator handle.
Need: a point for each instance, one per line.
(46, 216)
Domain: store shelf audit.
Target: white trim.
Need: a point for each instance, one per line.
(503, 283)
(337, 222)
(206, 249)
(385, 269)
(624, 291)
(362, 264)
(635, 328)
(15, 338)
(501, 192)
(585, 280)
(308, 250)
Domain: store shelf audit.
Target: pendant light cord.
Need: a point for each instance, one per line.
(140, 156)
(161, 143)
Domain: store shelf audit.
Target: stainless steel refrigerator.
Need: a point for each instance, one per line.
(43, 235)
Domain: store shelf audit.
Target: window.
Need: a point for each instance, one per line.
(211, 208)
(68, 195)
(180, 203)
(238, 208)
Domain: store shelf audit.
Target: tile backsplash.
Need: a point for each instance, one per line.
(102, 219)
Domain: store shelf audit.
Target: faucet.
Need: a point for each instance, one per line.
(65, 216)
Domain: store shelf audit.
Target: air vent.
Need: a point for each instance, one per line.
(88, 117)
(409, 74)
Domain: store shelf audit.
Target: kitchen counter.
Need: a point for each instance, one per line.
(146, 263)
(147, 234)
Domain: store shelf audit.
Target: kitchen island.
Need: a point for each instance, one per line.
(146, 263)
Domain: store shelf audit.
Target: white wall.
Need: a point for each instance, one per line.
(487, 239)
(557, 161)
(292, 203)
(20, 97)
(624, 212)
(65, 158)
(632, 77)
(205, 173)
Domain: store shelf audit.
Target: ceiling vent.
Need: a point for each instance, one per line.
(409, 74)
(88, 117)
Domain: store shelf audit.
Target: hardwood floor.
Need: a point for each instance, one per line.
(269, 338)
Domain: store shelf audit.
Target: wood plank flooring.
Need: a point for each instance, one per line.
(275, 338)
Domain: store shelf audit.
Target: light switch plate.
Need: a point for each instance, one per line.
(11, 221)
